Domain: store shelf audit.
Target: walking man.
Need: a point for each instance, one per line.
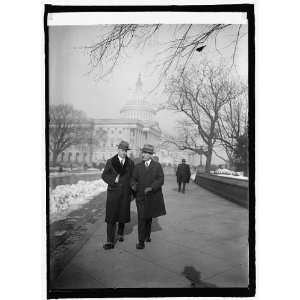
(147, 181)
(117, 174)
(183, 175)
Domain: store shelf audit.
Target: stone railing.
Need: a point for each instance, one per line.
(235, 190)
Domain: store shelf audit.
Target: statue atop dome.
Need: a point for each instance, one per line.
(139, 83)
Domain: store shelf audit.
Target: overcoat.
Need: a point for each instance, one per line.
(118, 194)
(151, 176)
(183, 173)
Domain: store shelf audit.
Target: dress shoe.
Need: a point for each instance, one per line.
(121, 238)
(108, 246)
(148, 239)
(140, 246)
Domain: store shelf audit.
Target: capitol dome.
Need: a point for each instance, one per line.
(137, 108)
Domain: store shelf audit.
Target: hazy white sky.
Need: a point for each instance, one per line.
(71, 83)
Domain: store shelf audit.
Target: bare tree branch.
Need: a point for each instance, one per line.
(68, 127)
(201, 94)
(106, 53)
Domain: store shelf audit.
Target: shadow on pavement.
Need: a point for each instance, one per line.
(194, 277)
(134, 221)
(76, 221)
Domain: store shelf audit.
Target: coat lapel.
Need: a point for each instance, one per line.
(125, 163)
(151, 165)
(118, 166)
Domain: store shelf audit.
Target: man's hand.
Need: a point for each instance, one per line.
(117, 178)
(147, 190)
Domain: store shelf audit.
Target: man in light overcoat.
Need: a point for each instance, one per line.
(147, 181)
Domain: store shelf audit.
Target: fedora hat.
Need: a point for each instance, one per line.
(148, 148)
(124, 145)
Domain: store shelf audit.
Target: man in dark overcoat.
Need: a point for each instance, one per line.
(183, 175)
(147, 181)
(117, 174)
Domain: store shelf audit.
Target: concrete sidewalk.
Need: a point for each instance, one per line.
(203, 241)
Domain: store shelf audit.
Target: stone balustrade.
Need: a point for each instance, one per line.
(235, 190)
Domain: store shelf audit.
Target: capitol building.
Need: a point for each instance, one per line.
(137, 125)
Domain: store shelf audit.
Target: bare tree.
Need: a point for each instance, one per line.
(200, 94)
(177, 51)
(187, 138)
(232, 124)
(67, 127)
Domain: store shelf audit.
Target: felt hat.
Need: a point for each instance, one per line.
(124, 145)
(148, 148)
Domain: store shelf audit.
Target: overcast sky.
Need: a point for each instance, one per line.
(71, 82)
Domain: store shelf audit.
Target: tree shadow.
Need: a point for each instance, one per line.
(134, 222)
(194, 277)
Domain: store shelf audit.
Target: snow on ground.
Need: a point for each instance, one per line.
(232, 176)
(68, 172)
(66, 198)
(225, 173)
(229, 173)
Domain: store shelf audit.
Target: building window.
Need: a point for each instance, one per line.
(69, 156)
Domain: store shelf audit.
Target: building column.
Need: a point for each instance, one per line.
(140, 139)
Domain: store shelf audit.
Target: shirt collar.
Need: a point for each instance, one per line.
(121, 159)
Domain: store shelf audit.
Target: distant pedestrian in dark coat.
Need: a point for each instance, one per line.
(147, 181)
(117, 174)
(183, 175)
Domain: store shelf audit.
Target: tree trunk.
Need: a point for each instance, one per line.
(91, 152)
(54, 157)
(231, 163)
(201, 157)
(208, 159)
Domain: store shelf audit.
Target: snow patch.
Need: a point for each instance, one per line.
(65, 198)
(229, 173)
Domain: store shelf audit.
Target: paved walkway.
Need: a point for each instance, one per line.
(201, 241)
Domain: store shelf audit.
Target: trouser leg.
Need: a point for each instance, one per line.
(111, 230)
(148, 223)
(121, 227)
(179, 186)
(141, 222)
(183, 187)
